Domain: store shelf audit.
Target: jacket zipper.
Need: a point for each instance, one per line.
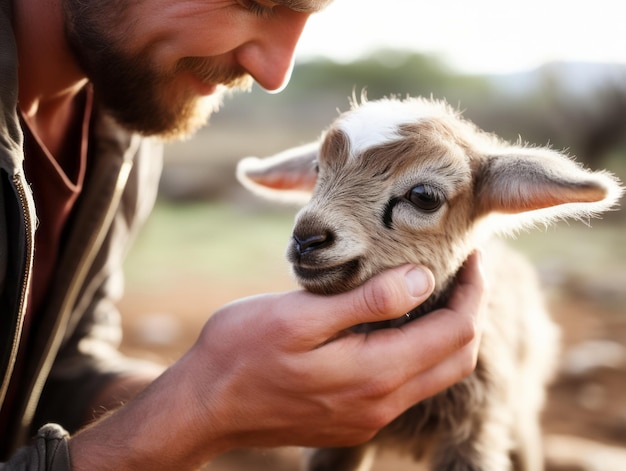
(72, 293)
(23, 200)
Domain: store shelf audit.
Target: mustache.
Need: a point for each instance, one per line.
(212, 72)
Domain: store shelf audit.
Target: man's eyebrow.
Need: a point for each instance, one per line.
(305, 6)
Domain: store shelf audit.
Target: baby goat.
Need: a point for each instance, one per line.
(398, 181)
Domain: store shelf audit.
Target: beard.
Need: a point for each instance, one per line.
(140, 96)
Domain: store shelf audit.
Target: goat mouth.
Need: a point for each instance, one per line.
(329, 280)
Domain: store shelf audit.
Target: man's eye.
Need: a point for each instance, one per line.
(261, 8)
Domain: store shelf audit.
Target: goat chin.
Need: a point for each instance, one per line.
(410, 181)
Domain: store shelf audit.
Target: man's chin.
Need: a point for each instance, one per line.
(176, 120)
(169, 125)
(198, 113)
(197, 117)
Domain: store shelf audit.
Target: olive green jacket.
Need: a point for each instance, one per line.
(77, 335)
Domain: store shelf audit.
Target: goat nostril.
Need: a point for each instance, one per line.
(310, 243)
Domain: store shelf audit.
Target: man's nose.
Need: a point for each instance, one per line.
(269, 58)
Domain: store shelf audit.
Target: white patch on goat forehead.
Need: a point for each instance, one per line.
(377, 122)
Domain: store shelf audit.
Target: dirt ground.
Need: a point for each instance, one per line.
(584, 420)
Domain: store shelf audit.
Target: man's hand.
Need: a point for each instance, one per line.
(282, 369)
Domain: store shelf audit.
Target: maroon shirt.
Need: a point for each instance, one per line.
(55, 190)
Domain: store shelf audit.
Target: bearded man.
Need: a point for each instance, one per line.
(89, 89)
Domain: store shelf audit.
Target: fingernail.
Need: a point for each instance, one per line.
(418, 282)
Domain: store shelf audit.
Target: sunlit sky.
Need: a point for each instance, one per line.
(474, 36)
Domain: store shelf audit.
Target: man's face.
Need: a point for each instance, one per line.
(162, 67)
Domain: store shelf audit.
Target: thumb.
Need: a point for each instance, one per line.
(386, 296)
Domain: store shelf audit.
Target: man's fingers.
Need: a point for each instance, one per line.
(397, 291)
(384, 297)
(417, 346)
(439, 334)
(435, 380)
(414, 348)
(447, 338)
(470, 285)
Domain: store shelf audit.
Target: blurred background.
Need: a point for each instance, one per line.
(547, 72)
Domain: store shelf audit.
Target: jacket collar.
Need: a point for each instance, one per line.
(10, 131)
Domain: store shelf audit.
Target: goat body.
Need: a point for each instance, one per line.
(410, 181)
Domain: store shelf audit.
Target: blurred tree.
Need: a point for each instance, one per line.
(387, 72)
(596, 125)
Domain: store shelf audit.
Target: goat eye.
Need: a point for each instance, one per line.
(425, 197)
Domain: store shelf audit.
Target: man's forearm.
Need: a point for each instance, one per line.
(119, 391)
(153, 431)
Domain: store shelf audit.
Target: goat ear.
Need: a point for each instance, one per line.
(545, 181)
(288, 176)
